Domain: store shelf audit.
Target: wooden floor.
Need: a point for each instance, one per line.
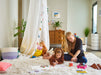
(97, 53)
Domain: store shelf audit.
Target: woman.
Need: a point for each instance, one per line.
(75, 51)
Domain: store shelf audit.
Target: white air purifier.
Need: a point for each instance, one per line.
(95, 41)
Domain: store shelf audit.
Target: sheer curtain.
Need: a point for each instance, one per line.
(36, 28)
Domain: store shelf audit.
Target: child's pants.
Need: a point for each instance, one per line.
(82, 59)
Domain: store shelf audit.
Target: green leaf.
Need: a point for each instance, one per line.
(86, 32)
(18, 27)
(22, 27)
(57, 24)
(16, 34)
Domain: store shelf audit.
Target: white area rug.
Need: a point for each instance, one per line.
(28, 66)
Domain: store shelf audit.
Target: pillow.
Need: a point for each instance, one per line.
(4, 66)
(38, 53)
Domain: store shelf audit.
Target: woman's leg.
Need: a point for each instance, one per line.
(82, 59)
(67, 57)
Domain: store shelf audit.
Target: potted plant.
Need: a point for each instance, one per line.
(22, 27)
(86, 33)
(57, 24)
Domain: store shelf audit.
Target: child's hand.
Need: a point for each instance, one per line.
(54, 63)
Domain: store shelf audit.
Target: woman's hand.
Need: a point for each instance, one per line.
(74, 59)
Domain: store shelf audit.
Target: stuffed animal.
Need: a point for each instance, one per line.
(44, 50)
(38, 53)
(41, 49)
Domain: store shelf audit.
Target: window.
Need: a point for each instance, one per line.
(94, 18)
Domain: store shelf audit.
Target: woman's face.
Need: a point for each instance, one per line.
(71, 38)
(58, 55)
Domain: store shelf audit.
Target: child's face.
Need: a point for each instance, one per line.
(58, 55)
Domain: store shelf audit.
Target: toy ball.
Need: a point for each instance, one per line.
(70, 64)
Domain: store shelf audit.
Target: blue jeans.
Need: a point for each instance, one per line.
(82, 59)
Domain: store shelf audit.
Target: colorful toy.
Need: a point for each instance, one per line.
(38, 53)
(70, 64)
(75, 34)
(82, 66)
(81, 71)
(43, 66)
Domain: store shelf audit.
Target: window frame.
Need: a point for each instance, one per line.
(92, 14)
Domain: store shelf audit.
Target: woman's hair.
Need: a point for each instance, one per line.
(68, 44)
(68, 34)
(59, 50)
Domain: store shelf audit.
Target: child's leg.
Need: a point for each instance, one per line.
(67, 57)
(82, 59)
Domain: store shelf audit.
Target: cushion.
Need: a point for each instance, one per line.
(4, 66)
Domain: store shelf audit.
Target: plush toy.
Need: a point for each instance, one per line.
(39, 47)
(38, 53)
(44, 50)
(41, 50)
(82, 66)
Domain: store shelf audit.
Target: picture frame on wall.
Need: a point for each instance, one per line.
(56, 14)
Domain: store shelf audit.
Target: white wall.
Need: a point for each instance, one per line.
(13, 22)
(74, 14)
(4, 23)
(78, 16)
(61, 7)
(8, 17)
(25, 9)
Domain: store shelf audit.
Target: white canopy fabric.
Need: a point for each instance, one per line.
(36, 28)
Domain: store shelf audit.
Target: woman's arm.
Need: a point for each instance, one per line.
(74, 58)
(71, 54)
(77, 53)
